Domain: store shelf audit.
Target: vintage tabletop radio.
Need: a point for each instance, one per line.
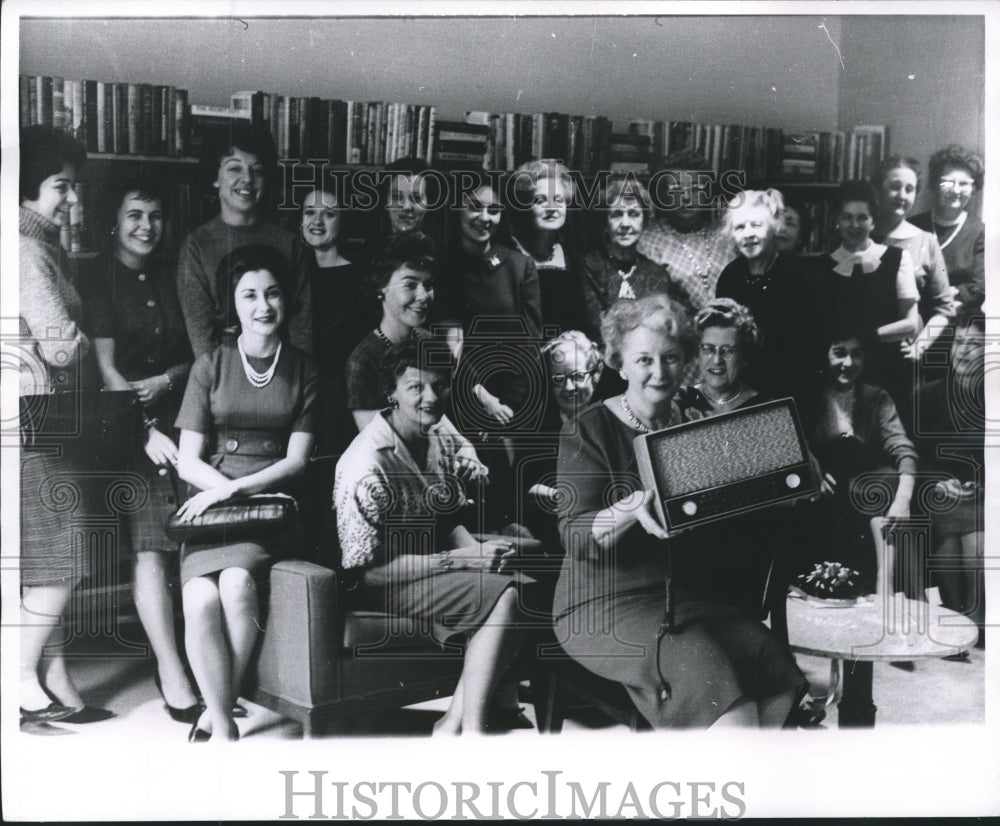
(727, 464)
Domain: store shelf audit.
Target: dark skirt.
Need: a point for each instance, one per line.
(145, 526)
(446, 604)
(54, 499)
(716, 656)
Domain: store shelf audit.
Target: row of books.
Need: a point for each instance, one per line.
(592, 143)
(114, 118)
(344, 131)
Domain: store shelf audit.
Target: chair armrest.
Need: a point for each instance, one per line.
(299, 652)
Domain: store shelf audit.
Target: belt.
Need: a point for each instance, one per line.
(251, 443)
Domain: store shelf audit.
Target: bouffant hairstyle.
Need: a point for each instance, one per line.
(238, 263)
(771, 199)
(805, 218)
(405, 249)
(420, 353)
(857, 191)
(140, 187)
(955, 155)
(896, 162)
(44, 153)
(655, 312)
(524, 180)
(554, 349)
(724, 312)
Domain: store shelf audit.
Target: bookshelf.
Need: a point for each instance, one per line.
(155, 126)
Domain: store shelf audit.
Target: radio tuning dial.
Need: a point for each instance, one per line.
(690, 508)
(793, 480)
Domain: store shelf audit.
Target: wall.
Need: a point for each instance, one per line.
(922, 76)
(747, 70)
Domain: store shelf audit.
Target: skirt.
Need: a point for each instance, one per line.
(717, 656)
(55, 502)
(448, 604)
(144, 528)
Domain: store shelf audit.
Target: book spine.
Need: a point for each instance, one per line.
(431, 120)
(90, 108)
(102, 117)
(181, 130)
(45, 100)
(58, 104)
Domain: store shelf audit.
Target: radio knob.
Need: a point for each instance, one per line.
(690, 508)
(793, 480)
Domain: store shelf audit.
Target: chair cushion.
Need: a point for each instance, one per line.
(371, 629)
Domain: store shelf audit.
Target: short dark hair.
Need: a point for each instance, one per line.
(241, 134)
(805, 218)
(44, 153)
(955, 155)
(410, 249)
(896, 162)
(250, 258)
(423, 354)
(857, 191)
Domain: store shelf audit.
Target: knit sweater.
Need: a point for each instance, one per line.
(54, 351)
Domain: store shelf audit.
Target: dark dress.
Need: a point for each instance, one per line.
(139, 310)
(609, 604)
(788, 306)
(964, 255)
(247, 429)
(606, 278)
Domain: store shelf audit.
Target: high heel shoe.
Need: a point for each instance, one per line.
(198, 735)
(52, 712)
(179, 715)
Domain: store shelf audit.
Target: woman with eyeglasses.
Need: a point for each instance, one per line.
(956, 174)
(728, 338)
(898, 181)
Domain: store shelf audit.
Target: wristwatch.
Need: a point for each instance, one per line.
(444, 559)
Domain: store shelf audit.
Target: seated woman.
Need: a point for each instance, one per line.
(795, 231)
(853, 428)
(957, 521)
(898, 182)
(130, 298)
(617, 269)
(720, 666)
(874, 284)
(399, 503)
(728, 339)
(956, 175)
(247, 426)
(781, 291)
(542, 192)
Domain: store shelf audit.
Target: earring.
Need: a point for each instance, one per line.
(622, 374)
(393, 402)
(114, 231)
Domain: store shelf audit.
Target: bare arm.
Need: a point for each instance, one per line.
(104, 348)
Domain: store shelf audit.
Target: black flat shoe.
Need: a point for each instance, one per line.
(806, 717)
(44, 729)
(198, 735)
(188, 715)
(508, 719)
(89, 715)
(52, 712)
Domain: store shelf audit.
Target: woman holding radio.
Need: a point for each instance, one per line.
(719, 665)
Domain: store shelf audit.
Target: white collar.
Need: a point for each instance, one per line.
(903, 232)
(869, 259)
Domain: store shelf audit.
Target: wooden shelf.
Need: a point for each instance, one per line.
(108, 157)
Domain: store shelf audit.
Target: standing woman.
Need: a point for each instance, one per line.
(543, 191)
(898, 181)
(782, 292)
(956, 175)
(407, 190)
(874, 284)
(247, 426)
(54, 356)
(142, 346)
(617, 269)
(240, 163)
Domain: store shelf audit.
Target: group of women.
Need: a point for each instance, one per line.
(482, 377)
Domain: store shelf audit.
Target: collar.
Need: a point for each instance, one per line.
(556, 261)
(869, 259)
(903, 232)
(381, 436)
(33, 225)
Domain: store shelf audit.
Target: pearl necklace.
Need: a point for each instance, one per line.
(633, 420)
(255, 378)
(958, 224)
(722, 402)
